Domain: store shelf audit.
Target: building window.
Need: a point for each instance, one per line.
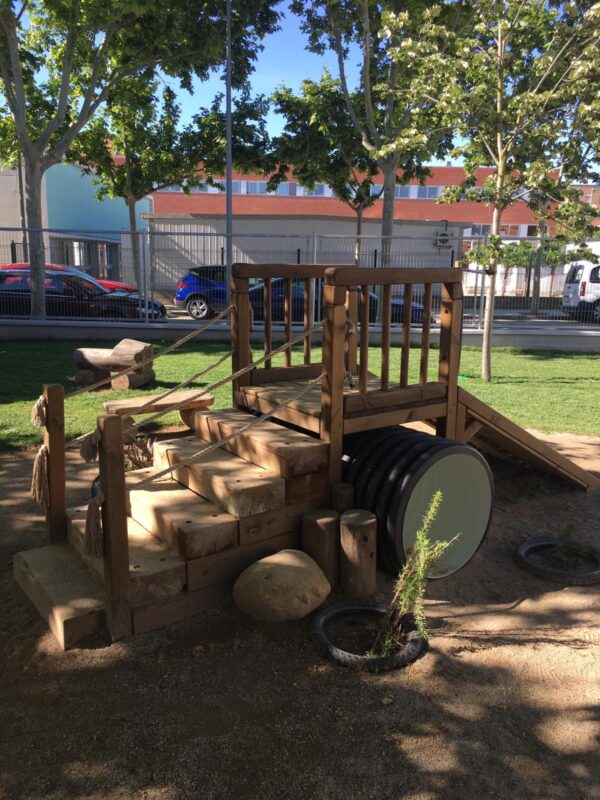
(429, 192)
(402, 192)
(257, 187)
(317, 191)
(509, 230)
(480, 230)
(532, 230)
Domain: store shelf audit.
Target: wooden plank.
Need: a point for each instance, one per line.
(268, 319)
(189, 524)
(398, 417)
(375, 400)
(302, 488)
(230, 564)
(187, 604)
(352, 341)
(461, 422)
(332, 396)
(235, 485)
(130, 405)
(308, 309)
(274, 523)
(154, 572)
(354, 276)
(269, 445)
(386, 323)
(287, 314)
(471, 430)
(449, 358)
(363, 374)
(300, 271)
(54, 439)
(294, 373)
(309, 422)
(114, 526)
(521, 440)
(404, 359)
(426, 333)
(68, 596)
(321, 541)
(240, 331)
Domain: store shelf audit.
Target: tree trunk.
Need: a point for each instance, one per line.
(35, 235)
(387, 220)
(537, 270)
(490, 294)
(358, 243)
(135, 243)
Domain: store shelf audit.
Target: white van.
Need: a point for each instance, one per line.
(581, 295)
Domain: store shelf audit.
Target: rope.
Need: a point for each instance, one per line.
(216, 445)
(40, 488)
(94, 537)
(38, 412)
(151, 360)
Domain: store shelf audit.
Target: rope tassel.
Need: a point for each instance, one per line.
(89, 446)
(94, 537)
(40, 488)
(38, 412)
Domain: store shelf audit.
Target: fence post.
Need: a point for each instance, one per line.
(114, 527)
(450, 344)
(240, 332)
(332, 394)
(54, 439)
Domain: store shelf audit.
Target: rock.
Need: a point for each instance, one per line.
(285, 586)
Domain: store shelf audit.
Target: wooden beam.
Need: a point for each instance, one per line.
(377, 400)
(386, 322)
(425, 333)
(240, 331)
(450, 345)
(54, 439)
(471, 430)
(397, 417)
(114, 527)
(332, 395)
(355, 276)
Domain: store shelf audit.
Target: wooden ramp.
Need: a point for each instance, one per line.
(493, 433)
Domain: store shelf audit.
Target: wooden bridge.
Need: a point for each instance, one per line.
(174, 548)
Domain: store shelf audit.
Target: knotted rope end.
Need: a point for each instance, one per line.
(38, 412)
(40, 487)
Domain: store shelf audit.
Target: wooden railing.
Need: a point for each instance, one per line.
(375, 401)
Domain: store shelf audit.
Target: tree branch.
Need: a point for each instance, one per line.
(366, 71)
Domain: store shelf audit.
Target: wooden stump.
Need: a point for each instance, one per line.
(133, 380)
(321, 540)
(86, 377)
(358, 562)
(342, 497)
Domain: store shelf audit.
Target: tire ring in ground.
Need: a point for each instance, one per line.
(414, 647)
(526, 549)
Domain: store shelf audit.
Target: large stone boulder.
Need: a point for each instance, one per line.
(285, 586)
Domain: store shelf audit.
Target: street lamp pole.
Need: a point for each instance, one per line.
(228, 156)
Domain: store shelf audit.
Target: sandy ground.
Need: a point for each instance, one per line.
(506, 704)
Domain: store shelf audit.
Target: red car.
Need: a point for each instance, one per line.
(112, 286)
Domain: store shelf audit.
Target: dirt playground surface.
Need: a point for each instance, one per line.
(506, 704)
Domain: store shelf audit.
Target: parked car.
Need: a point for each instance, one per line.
(204, 296)
(72, 295)
(581, 295)
(112, 286)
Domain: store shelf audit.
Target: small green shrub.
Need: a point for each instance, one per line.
(410, 586)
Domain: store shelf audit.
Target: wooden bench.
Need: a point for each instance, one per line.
(130, 406)
(95, 364)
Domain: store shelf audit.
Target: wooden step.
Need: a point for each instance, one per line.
(129, 406)
(286, 452)
(191, 526)
(155, 572)
(66, 592)
(235, 485)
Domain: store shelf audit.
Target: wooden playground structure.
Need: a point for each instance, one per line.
(174, 544)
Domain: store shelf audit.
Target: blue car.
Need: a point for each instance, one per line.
(202, 292)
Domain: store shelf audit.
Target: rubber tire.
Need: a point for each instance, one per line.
(414, 647)
(525, 549)
(194, 299)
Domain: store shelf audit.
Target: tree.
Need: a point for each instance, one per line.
(406, 76)
(60, 60)
(320, 143)
(135, 145)
(522, 88)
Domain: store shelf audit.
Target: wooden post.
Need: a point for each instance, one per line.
(321, 540)
(352, 311)
(450, 344)
(54, 439)
(240, 332)
(358, 562)
(332, 394)
(114, 527)
(342, 497)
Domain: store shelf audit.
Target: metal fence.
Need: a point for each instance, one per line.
(156, 263)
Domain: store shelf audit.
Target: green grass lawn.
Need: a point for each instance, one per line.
(550, 391)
